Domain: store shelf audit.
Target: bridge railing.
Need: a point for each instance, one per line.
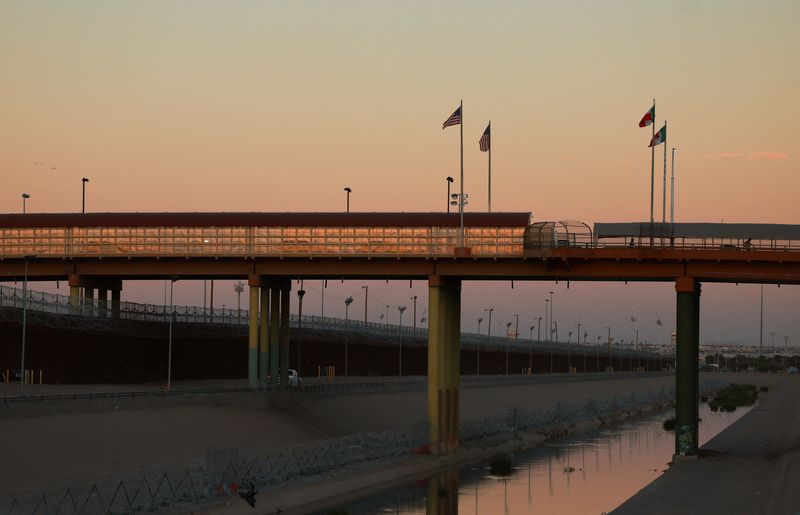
(97, 309)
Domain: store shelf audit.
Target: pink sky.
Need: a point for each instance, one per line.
(276, 106)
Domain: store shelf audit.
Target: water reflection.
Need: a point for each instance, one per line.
(591, 474)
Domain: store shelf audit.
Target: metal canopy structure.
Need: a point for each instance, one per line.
(720, 231)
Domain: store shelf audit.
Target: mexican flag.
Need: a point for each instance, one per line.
(659, 138)
(648, 117)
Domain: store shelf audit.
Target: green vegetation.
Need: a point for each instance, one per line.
(764, 389)
(500, 465)
(734, 396)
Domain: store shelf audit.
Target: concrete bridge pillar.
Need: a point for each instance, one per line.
(286, 291)
(88, 300)
(252, 333)
(74, 294)
(102, 301)
(274, 335)
(444, 368)
(116, 294)
(687, 375)
(263, 337)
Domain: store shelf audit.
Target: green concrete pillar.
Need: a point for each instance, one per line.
(115, 302)
(444, 299)
(263, 338)
(274, 335)
(286, 291)
(687, 375)
(102, 301)
(88, 301)
(74, 294)
(252, 341)
(442, 498)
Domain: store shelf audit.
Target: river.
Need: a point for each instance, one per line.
(592, 473)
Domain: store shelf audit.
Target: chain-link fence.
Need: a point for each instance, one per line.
(226, 472)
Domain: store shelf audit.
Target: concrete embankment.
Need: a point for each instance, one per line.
(60, 447)
(751, 467)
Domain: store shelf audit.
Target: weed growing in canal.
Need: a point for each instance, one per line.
(669, 424)
(764, 389)
(500, 465)
(734, 396)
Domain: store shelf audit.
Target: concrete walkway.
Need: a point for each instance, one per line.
(751, 467)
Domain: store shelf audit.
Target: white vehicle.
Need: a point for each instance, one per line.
(294, 378)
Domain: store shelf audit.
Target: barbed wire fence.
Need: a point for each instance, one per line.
(226, 472)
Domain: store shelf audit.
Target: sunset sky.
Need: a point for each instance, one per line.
(276, 106)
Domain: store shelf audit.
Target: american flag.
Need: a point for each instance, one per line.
(485, 140)
(455, 119)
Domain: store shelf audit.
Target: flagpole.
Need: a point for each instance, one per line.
(461, 198)
(490, 166)
(652, 170)
(664, 201)
(672, 190)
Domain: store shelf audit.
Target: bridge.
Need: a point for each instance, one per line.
(99, 251)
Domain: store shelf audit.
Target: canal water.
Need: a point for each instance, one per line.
(591, 474)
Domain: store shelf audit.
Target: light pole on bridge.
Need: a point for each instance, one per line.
(25, 197)
(449, 182)
(348, 190)
(83, 195)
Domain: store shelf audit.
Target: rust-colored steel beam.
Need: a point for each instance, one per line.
(573, 265)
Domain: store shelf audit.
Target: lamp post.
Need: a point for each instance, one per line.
(488, 337)
(609, 345)
(171, 317)
(27, 259)
(25, 197)
(83, 195)
(347, 302)
(449, 182)
(552, 319)
(366, 301)
(238, 288)
(348, 190)
(400, 359)
(598, 352)
(300, 293)
(530, 351)
(508, 328)
(414, 313)
(547, 319)
(387, 316)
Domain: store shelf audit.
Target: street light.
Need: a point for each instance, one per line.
(387, 316)
(488, 338)
(449, 182)
(83, 196)
(347, 302)
(530, 351)
(414, 298)
(366, 301)
(348, 190)
(171, 317)
(27, 259)
(238, 288)
(400, 359)
(300, 293)
(25, 197)
(508, 328)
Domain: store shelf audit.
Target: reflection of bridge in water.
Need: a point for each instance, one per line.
(99, 251)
